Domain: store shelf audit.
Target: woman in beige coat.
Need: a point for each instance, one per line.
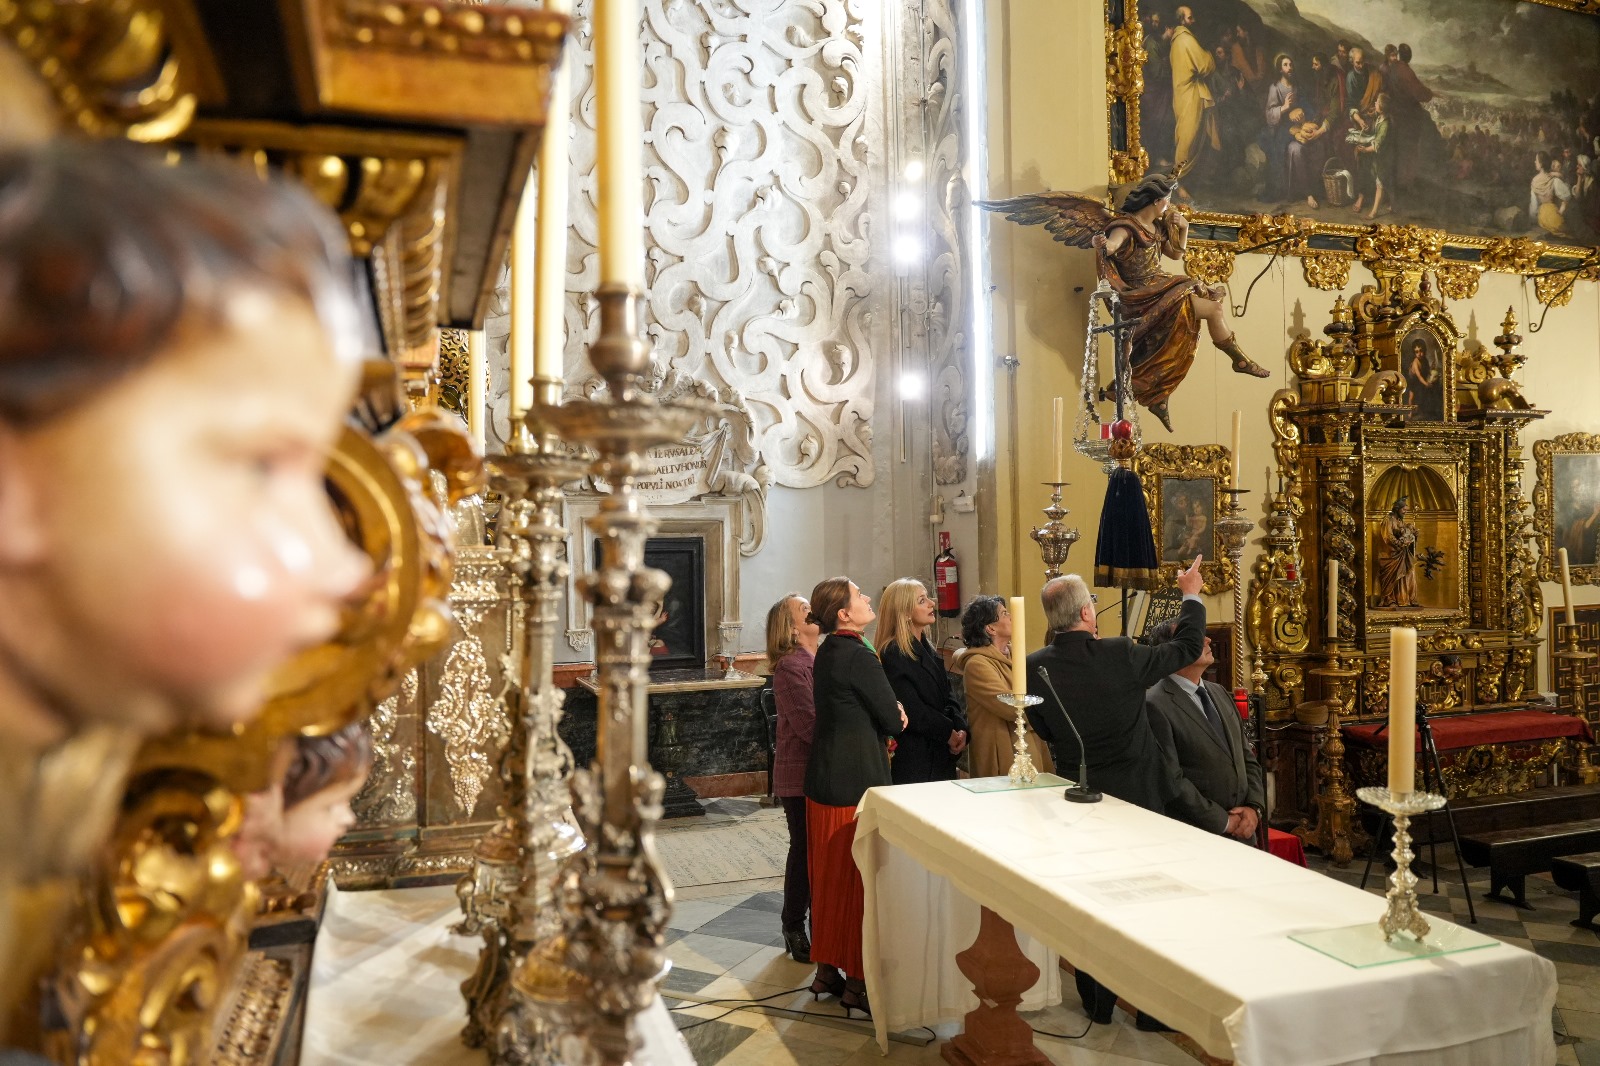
(985, 667)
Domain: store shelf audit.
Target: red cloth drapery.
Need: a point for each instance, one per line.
(1470, 730)
(836, 892)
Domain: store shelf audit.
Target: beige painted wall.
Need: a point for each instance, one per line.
(1047, 130)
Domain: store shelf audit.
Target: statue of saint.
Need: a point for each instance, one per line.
(1167, 308)
(179, 346)
(1397, 567)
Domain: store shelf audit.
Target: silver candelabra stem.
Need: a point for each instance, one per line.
(1054, 539)
(1233, 530)
(1023, 772)
(1402, 914)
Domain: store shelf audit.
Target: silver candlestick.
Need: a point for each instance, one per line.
(1023, 771)
(1233, 530)
(1402, 914)
(1054, 539)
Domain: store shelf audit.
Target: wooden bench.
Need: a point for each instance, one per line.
(1512, 854)
(1580, 874)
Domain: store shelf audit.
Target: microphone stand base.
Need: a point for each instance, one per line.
(1079, 794)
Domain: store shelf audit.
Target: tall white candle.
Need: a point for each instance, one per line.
(1566, 585)
(1402, 708)
(519, 344)
(1234, 453)
(618, 109)
(1019, 646)
(477, 387)
(1058, 410)
(550, 271)
(1333, 599)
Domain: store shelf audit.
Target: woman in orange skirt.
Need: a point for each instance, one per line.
(856, 714)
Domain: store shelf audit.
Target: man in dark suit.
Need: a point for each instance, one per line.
(1218, 781)
(1103, 682)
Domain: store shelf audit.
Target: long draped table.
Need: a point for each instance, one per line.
(1190, 927)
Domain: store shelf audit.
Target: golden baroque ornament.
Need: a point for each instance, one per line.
(1459, 282)
(1410, 244)
(1512, 255)
(1326, 270)
(1208, 262)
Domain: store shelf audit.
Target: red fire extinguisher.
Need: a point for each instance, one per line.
(946, 581)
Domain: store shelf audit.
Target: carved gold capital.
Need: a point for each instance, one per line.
(1459, 282)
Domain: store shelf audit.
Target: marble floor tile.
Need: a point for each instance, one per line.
(771, 1049)
(745, 923)
(773, 966)
(1562, 932)
(712, 1041)
(709, 954)
(1580, 1024)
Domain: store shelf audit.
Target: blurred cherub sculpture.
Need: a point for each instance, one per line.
(179, 345)
(1167, 309)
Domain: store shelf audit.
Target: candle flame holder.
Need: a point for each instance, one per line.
(1054, 539)
(1577, 659)
(1233, 530)
(1023, 772)
(1402, 914)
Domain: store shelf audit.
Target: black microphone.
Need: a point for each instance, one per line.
(1078, 793)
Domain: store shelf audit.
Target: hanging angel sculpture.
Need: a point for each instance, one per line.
(1128, 245)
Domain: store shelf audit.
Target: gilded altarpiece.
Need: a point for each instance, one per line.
(1400, 456)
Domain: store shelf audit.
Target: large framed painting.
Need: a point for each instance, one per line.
(1472, 118)
(1566, 505)
(1184, 493)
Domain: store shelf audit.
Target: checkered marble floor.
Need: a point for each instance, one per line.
(725, 943)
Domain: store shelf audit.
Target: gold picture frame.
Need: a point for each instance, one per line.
(1176, 477)
(1566, 505)
(1326, 248)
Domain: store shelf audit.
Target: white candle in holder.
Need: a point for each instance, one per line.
(1566, 586)
(1402, 709)
(1058, 410)
(1019, 647)
(1233, 473)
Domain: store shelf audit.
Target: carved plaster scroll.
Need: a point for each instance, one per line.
(765, 260)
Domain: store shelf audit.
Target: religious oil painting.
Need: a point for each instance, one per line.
(1566, 505)
(678, 641)
(1423, 366)
(1413, 541)
(1477, 117)
(1188, 527)
(1183, 491)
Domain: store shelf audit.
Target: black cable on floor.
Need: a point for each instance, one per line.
(746, 1004)
(1064, 1036)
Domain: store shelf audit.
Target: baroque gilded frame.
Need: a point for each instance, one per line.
(1544, 503)
(1154, 464)
(1326, 250)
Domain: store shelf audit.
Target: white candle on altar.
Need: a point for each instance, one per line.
(1058, 409)
(550, 269)
(1019, 646)
(1402, 709)
(1233, 476)
(618, 103)
(1333, 599)
(519, 344)
(477, 387)
(1566, 586)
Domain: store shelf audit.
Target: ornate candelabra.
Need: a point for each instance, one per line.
(618, 896)
(1402, 914)
(511, 896)
(1337, 832)
(1054, 539)
(1233, 530)
(1576, 658)
(1023, 772)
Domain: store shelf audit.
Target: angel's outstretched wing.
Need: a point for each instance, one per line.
(1070, 218)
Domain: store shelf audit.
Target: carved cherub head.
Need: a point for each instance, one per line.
(178, 347)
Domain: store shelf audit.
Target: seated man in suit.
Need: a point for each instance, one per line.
(1216, 776)
(1103, 683)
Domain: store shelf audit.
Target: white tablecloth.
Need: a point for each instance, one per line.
(1213, 960)
(386, 986)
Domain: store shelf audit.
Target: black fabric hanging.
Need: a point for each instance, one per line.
(1125, 550)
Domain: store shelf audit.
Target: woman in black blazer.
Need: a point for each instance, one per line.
(936, 730)
(856, 714)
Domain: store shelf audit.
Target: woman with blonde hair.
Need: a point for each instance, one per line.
(792, 639)
(936, 730)
(985, 666)
(856, 714)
